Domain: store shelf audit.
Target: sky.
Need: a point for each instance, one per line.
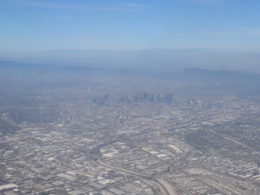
(218, 34)
(41, 25)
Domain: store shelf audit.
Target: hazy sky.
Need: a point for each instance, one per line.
(29, 25)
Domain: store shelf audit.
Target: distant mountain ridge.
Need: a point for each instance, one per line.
(186, 73)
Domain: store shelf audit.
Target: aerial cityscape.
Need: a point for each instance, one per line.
(129, 97)
(129, 135)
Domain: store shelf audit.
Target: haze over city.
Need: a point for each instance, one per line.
(121, 97)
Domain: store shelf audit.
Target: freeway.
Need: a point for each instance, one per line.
(164, 186)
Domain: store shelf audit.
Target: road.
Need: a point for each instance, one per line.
(164, 186)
